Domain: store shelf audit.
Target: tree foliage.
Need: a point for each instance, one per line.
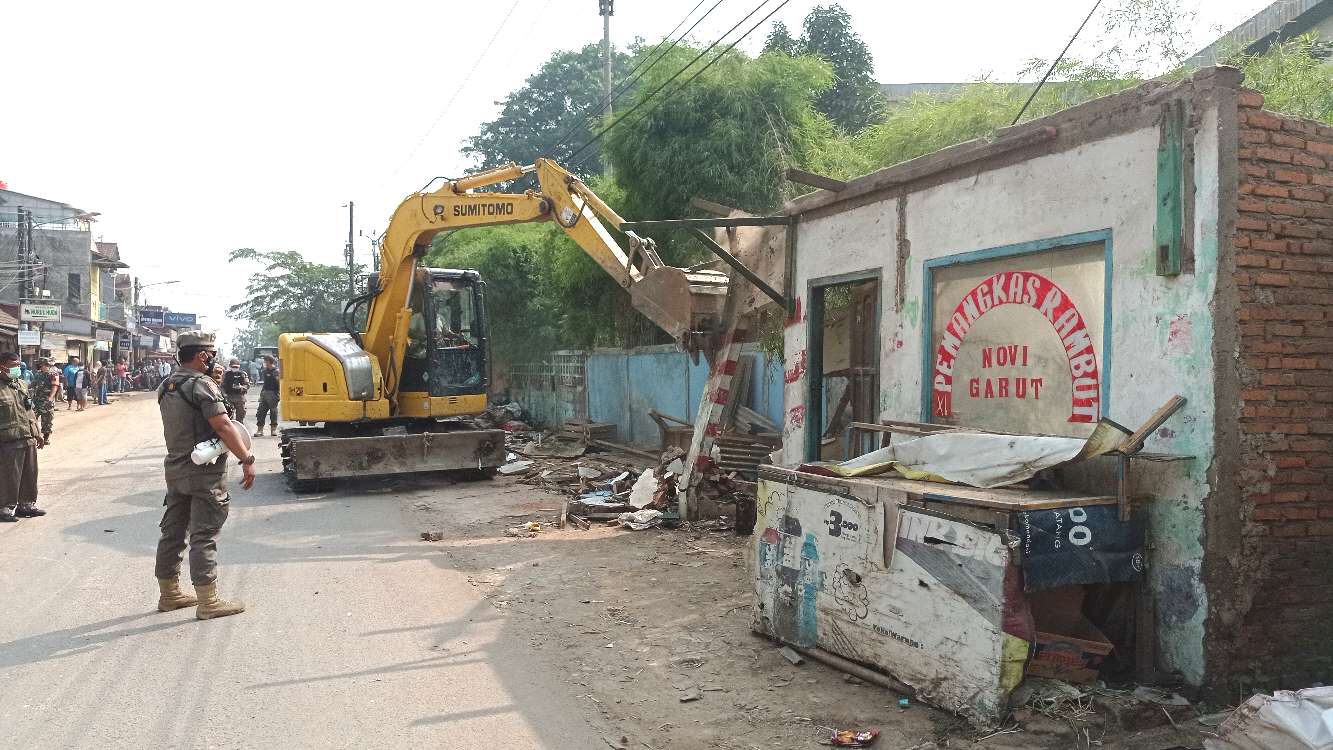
(1294, 76)
(727, 137)
(854, 100)
(290, 294)
(551, 114)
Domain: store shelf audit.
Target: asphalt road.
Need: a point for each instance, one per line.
(356, 634)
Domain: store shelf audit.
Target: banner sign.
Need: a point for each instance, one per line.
(125, 343)
(178, 319)
(102, 334)
(1016, 342)
(30, 338)
(150, 318)
(39, 312)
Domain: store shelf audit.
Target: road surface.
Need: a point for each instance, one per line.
(356, 635)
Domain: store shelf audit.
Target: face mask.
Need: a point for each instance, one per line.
(16, 372)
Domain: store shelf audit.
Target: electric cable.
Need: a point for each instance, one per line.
(467, 77)
(1054, 63)
(689, 80)
(634, 75)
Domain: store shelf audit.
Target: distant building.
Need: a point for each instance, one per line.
(71, 271)
(1283, 20)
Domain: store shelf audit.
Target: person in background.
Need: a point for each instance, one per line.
(254, 371)
(75, 385)
(268, 398)
(102, 383)
(43, 385)
(20, 437)
(122, 373)
(235, 384)
(58, 377)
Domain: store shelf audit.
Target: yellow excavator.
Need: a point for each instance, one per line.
(397, 397)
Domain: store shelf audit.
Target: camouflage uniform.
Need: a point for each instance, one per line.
(41, 400)
(197, 503)
(18, 450)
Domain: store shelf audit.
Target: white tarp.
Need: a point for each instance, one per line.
(1285, 720)
(977, 459)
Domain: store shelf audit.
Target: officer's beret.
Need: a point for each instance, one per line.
(196, 338)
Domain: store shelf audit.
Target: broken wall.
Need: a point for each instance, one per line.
(1270, 568)
(1087, 176)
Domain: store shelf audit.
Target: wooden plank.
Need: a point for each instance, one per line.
(1122, 488)
(1134, 443)
(802, 177)
(998, 498)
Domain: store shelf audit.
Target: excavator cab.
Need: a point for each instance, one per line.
(447, 353)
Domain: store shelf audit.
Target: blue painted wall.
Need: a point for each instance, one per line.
(624, 384)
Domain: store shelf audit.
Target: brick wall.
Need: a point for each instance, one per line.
(1283, 275)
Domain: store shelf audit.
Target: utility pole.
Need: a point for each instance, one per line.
(27, 292)
(350, 255)
(606, 8)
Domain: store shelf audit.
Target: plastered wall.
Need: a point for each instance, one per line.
(1161, 328)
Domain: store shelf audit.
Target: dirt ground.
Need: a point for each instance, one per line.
(640, 621)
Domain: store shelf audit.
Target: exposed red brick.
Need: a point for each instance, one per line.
(1285, 209)
(1262, 120)
(1320, 149)
(1290, 141)
(1252, 206)
(1305, 195)
(1252, 260)
(1289, 175)
(1304, 160)
(1282, 156)
(1270, 246)
(1294, 230)
(1270, 191)
(1250, 99)
(1248, 135)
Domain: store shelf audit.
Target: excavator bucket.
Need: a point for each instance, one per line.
(686, 304)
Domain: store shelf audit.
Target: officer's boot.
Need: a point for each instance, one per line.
(172, 597)
(210, 606)
(273, 430)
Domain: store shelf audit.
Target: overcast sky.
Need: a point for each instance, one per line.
(197, 128)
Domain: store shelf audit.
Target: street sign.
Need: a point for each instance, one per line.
(178, 319)
(30, 338)
(102, 334)
(150, 318)
(125, 343)
(39, 313)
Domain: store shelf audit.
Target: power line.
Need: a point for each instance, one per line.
(692, 78)
(634, 75)
(1054, 63)
(475, 64)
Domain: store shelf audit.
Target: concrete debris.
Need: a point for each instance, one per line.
(516, 467)
(640, 520)
(641, 496)
(528, 530)
(432, 536)
(790, 655)
(692, 694)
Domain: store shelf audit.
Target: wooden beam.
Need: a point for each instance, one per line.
(739, 267)
(1134, 443)
(802, 177)
(707, 206)
(738, 221)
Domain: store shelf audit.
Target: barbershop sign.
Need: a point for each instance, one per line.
(1017, 342)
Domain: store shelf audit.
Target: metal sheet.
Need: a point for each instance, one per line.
(329, 458)
(1016, 341)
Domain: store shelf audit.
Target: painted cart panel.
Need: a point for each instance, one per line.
(918, 596)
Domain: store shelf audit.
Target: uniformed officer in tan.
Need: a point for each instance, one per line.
(193, 411)
(20, 437)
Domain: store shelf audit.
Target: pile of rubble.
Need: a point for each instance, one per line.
(605, 481)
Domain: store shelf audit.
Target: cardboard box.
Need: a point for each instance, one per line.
(1068, 646)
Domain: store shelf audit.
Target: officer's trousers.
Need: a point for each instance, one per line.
(268, 407)
(196, 508)
(238, 403)
(18, 474)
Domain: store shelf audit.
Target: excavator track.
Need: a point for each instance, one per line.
(314, 457)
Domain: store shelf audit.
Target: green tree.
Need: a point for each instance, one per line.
(1294, 76)
(551, 114)
(727, 136)
(290, 294)
(779, 39)
(854, 101)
